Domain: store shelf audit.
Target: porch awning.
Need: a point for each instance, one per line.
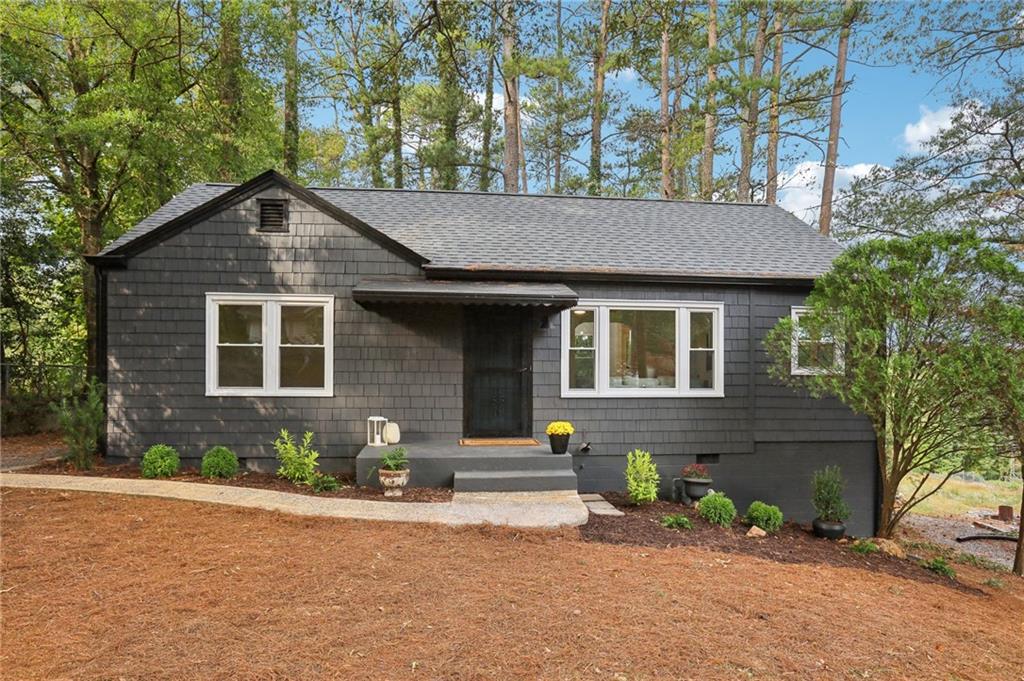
(461, 292)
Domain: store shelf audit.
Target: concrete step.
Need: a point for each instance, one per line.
(514, 481)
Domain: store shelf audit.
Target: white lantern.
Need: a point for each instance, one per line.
(375, 426)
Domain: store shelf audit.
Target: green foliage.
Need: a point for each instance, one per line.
(160, 461)
(642, 477)
(718, 509)
(396, 459)
(219, 462)
(676, 521)
(995, 583)
(827, 494)
(939, 566)
(765, 516)
(82, 421)
(323, 482)
(864, 547)
(297, 463)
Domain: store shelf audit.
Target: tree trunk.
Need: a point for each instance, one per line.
(771, 191)
(510, 78)
(229, 88)
(559, 98)
(600, 56)
(487, 125)
(832, 151)
(374, 153)
(397, 160)
(748, 130)
(522, 150)
(91, 228)
(707, 159)
(667, 186)
(291, 92)
(1018, 558)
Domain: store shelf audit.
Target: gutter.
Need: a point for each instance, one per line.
(435, 272)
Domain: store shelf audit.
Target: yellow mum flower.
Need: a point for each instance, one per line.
(560, 428)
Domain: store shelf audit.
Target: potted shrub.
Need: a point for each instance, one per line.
(696, 481)
(558, 435)
(393, 471)
(827, 499)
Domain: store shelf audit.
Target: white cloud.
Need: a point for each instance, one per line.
(927, 126)
(800, 187)
(624, 75)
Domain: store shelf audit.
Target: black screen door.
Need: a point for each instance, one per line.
(498, 355)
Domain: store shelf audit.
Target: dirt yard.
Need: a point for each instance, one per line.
(99, 586)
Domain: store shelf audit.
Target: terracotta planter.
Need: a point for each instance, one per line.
(826, 529)
(393, 481)
(559, 443)
(696, 488)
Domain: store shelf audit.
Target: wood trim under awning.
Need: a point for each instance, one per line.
(465, 292)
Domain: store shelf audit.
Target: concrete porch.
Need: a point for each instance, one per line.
(439, 463)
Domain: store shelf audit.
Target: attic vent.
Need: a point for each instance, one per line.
(273, 215)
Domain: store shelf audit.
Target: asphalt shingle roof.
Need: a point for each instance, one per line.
(533, 232)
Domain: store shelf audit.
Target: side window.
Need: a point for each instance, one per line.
(812, 353)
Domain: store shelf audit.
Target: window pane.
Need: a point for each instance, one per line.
(642, 348)
(819, 356)
(302, 324)
(239, 366)
(240, 324)
(302, 367)
(702, 369)
(581, 369)
(581, 329)
(702, 330)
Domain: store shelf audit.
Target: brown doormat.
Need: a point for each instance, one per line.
(498, 442)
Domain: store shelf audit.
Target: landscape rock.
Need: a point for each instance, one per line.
(890, 547)
(756, 531)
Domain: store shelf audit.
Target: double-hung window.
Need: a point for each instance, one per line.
(813, 352)
(642, 349)
(269, 344)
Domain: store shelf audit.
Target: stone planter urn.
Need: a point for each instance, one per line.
(393, 481)
(696, 488)
(828, 529)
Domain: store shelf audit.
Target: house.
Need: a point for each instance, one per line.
(234, 311)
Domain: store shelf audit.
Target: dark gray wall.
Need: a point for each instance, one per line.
(405, 362)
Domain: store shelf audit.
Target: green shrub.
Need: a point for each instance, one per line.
(676, 521)
(827, 495)
(765, 516)
(82, 421)
(642, 477)
(219, 462)
(160, 461)
(322, 482)
(297, 463)
(864, 547)
(717, 509)
(396, 459)
(939, 566)
(994, 582)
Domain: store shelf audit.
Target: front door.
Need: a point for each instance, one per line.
(497, 361)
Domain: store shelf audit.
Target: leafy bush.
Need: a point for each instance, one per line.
(82, 421)
(827, 496)
(322, 482)
(219, 462)
(642, 477)
(765, 516)
(676, 521)
(160, 461)
(717, 509)
(297, 463)
(698, 471)
(864, 547)
(939, 566)
(396, 459)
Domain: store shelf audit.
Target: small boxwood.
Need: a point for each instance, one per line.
(160, 461)
(219, 462)
(717, 509)
(765, 516)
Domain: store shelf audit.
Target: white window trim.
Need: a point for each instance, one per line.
(682, 309)
(271, 303)
(794, 366)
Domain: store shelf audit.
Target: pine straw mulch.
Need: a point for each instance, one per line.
(104, 586)
(251, 479)
(794, 543)
(26, 450)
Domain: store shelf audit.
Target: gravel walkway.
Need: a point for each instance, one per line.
(944, 531)
(25, 451)
(520, 509)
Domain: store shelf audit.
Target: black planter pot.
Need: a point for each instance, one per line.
(827, 529)
(696, 488)
(559, 443)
